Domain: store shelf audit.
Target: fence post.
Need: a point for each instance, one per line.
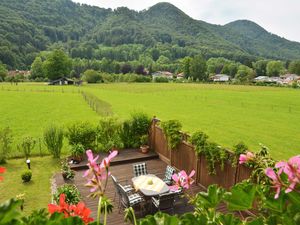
(152, 133)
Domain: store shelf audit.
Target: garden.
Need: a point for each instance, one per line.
(270, 195)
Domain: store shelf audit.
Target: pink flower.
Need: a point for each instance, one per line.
(98, 174)
(106, 161)
(182, 180)
(292, 170)
(277, 184)
(244, 158)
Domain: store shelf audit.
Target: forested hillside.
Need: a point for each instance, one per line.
(161, 33)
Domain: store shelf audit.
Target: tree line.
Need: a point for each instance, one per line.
(51, 65)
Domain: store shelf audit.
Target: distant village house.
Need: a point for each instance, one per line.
(65, 81)
(166, 74)
(220, 78)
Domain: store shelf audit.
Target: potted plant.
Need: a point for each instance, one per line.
(66, 171)
(77, 152)
(144, 144)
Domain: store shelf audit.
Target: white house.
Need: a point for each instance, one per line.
(289, 78)
(166, 74)
(220, 78)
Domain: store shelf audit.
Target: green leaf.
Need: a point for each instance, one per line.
(241, 197)
(229, 219)
(9, 211)
(276, 205)
(190, 219)
(159, 219)
(258, 221)
(211, 198)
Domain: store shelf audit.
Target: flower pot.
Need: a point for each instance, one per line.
(144, 149)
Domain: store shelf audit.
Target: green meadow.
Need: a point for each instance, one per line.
(227, 113)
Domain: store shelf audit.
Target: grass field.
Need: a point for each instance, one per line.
(37, 191)
(30, 109)
(228, 114)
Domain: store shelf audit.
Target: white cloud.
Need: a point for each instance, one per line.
(277, 16)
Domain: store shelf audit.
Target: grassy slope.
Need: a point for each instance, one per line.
(28, 112)
(228, 114)
(37, 191)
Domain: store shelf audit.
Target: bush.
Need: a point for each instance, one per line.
(161, 80)
(109, 134)
(26, 146)
(77, 150)
(5, 143)
(83, 133)
(26, 176)
(53, 138)
(66, 171)
(134, 128)
(92, 76)
(172, 130)
(71, 192)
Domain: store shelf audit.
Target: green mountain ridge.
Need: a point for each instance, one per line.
(30, 26)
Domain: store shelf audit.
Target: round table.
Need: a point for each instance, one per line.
(150, 185)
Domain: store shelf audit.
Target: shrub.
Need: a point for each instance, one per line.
(172, 130)
(77, 150)
(161, 80)
(92, 76)
(26, 146)
(199, 140)
(26, 176)
(5, 143)
(53, 138)
(83, 133)
(109, 134)
(66, 171)
(134, 128)
(71, 192)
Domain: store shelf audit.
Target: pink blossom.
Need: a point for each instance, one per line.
(182, 180)
(244, 158)
(98, 174)
(106, 161)
(277, 184)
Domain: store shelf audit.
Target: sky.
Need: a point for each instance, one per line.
(280, 17)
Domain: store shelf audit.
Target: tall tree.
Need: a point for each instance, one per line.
(294, 67)
(3, 72)
(244, 74)
(198, 68)
(185, 66)
(260, 67)
(57, 65)
(37, 68)
(275, 68)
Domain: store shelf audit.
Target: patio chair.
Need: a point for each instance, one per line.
(140, 169)
(168, 175)
(128, 188)
(130, 200)
(164, 202)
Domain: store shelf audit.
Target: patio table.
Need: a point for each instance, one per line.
(150, 185)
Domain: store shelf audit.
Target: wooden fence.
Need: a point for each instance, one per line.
(185, 158)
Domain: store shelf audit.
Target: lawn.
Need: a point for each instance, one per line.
(227, 113)
(37, 191)
(28, 109)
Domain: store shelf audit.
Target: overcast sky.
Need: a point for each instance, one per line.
(280, 17)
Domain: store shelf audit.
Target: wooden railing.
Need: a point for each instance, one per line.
(185, 158)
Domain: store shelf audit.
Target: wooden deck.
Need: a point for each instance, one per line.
(124, 156)
(122, 169)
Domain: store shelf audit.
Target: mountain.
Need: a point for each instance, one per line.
(30, 26)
